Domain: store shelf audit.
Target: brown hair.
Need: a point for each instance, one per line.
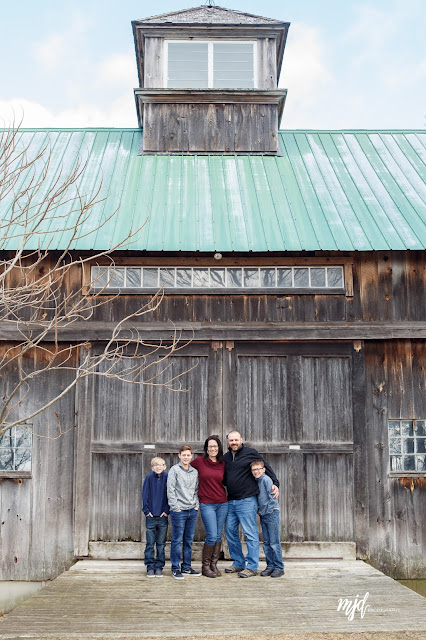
(185, 447)
(260, 463)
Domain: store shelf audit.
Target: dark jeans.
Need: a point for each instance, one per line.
(271, 540)
(183, 529)
(156, 534)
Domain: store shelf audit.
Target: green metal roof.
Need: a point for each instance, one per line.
(330, 190)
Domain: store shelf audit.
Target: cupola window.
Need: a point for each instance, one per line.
(199, 64)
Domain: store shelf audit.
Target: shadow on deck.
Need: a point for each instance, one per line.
(112, 599)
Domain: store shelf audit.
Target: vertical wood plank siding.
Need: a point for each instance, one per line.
(396, 386)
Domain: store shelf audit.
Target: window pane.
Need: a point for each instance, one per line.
(8, 438)
(420, 463)
(408, 445)
(201, 277)
(284, 278)
(217, 277)
(233, 66)
(99, 277)
(235, 278)
(406, 427)
(187, 65)
(116, 277)
(395, 446)
(6, 459)
(420, 445)
(396, 463)
(183, 277)
(150, 278)
(133, 277)
(251, 277)
(408, 462)
(23, 459)
(317, 277)
(23, 437)
(420, 428)
(301, 278)
(335, 276)
(394, 428)
(167, 277)
(267, 277)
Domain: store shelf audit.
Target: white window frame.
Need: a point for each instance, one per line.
(210, 43)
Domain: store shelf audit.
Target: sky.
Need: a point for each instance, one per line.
(347, 65)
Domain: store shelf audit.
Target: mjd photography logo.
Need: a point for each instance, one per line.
(350, 607)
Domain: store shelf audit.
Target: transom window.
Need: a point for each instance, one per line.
(228, 279)
(15, 449)
(407, 445)
(198, 64)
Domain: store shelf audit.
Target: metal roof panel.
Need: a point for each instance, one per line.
(330, 190)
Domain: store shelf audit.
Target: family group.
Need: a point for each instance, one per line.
(229, 490)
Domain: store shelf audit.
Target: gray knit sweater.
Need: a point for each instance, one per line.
(182, 488)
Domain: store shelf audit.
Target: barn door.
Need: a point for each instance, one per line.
(293, 402)
(122, 426)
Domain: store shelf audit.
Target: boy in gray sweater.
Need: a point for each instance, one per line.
(269, 512)
(182, 495)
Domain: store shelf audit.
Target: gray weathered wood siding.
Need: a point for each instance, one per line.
(396, 388)
(36, 513)
(219, 128)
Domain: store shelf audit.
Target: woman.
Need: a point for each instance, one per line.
(213, 502)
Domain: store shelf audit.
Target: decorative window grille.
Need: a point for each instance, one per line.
(226, 279)
(199, 64)
(407, 445)
(16, 449)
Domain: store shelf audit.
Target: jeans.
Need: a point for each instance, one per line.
(271, 540)
(183, 529)
(156, 534)
(214, 516)
(243, 512)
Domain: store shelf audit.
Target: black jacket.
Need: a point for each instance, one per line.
(239, 480)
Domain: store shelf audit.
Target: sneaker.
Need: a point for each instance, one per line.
(177, 575)
(233, 569)
(277, 573)
(247, 573)
(267, 571)
(191, 572)
(150, 573)
(158, 573)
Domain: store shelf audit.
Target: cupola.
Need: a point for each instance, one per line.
(208, 82)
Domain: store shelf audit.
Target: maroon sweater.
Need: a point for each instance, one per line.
(210, 477)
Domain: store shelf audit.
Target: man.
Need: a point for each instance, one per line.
(242, 500)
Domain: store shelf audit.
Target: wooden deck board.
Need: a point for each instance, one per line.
(115, 599)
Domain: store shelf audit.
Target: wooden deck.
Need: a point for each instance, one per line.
(111, 599)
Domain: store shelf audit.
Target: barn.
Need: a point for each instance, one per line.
(292, 268)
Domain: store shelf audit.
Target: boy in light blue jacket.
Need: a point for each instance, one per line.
(269, 512)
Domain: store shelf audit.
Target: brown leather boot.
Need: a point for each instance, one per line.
(207, 558)
(215, 558)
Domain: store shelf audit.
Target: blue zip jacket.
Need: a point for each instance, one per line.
(154, 494)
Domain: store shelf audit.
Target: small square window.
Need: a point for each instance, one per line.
(16, 449)
(150, 278)
(407, 445)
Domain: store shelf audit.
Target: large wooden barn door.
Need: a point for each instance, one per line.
(122, 426)
(293, 402)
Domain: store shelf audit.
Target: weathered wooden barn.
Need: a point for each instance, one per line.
(293, 261)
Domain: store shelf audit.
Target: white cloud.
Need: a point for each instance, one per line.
(118, 70)
(120, 112)
(61, 47)
(305, 73)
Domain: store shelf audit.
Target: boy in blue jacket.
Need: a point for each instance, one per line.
(269, 512)
(156, 510)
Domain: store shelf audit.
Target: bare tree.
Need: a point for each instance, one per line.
(38, 206)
